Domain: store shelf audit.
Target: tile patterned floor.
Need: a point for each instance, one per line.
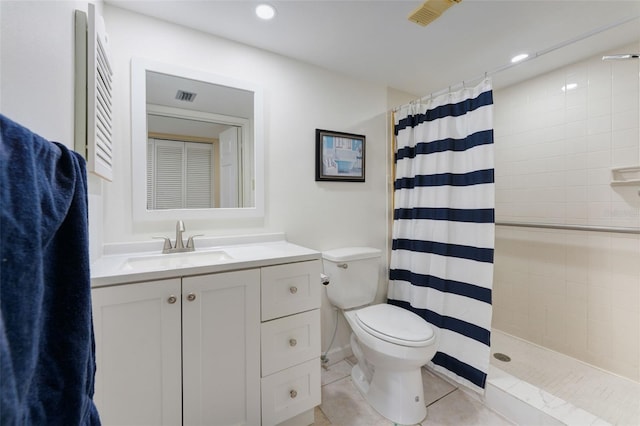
(591, 391)
(343, 405)
(612, 398)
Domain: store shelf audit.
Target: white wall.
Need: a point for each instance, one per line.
(575, 292)
(37, 77)
(298, 99)
(37, 68)
(37, 90)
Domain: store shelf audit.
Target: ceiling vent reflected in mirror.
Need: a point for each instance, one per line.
(185, 96)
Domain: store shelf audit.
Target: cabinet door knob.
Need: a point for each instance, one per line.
(293, 289)
(191, 297)
(293, 342)
(293, 394)
(172, 299)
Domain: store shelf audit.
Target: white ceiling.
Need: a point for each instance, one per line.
(374, 41)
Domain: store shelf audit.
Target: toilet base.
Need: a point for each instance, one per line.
(397, 395)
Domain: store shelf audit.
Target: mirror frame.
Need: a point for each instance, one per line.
(139, 68)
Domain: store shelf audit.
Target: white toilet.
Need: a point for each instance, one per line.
(390, 343)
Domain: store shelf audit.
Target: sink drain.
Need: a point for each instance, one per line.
(502, 357)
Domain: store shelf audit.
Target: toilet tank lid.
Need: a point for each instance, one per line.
(346, 254)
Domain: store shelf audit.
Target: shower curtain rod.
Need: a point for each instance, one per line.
(530, 58)
(613, 229)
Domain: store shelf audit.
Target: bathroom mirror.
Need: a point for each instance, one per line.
(196, 144)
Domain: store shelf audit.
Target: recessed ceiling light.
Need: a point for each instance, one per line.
(265, 11)
(520, 57)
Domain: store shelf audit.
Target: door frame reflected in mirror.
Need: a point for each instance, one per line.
(139, 69)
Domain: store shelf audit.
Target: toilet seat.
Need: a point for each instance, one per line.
(395, 325)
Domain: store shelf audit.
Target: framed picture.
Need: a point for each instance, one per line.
(339, 156)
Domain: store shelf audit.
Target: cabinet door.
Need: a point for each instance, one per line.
(137, 330)
(221, 349)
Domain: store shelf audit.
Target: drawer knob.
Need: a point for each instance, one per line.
(293, 289)
(293, 394)
(172, 299)
(293, 342)
(191, 297)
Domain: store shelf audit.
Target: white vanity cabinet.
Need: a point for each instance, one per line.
(179, 351)
(290, 341)
(222, 347)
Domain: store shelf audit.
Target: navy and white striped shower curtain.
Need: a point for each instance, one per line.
(443, 228)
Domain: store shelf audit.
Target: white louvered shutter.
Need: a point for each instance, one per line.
(169, 175)
(99, 98)
(151, 152)
(199, 158)
(179, 174)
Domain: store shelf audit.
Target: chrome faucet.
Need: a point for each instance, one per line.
(179, 231)
(179, 246)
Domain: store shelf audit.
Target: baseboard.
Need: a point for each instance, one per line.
(337, 354)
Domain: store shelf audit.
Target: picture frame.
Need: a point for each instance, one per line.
(340, 156)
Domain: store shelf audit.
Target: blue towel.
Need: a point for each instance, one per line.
(47, 363)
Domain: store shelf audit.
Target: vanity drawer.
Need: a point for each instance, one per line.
(290, 392)
(289, 341)
(289, 289)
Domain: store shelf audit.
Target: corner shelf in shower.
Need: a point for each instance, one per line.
(625, 176)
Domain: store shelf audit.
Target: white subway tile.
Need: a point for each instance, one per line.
(598, 159)
(599, 124)
(599, 340)
(575, 129)
(625, 120)
(575, 145)
(624, 77)
(576, 113)
(557, 163)
(576, 212)
(600, 177)
(624, 157)
(599, 142)
(598, 107)
(626, 101)
(568, 289)
(625, 138)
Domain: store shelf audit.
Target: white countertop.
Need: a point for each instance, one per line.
(115, 268)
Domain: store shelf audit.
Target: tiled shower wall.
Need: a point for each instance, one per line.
(575, 292)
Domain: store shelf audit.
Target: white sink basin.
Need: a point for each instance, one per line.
(176, 260)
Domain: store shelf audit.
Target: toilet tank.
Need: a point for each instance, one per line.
(353, 274)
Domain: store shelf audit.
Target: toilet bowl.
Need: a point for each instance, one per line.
(391, 344)
(388, 372)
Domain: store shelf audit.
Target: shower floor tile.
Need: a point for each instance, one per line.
(343, 405)
(607, 396)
